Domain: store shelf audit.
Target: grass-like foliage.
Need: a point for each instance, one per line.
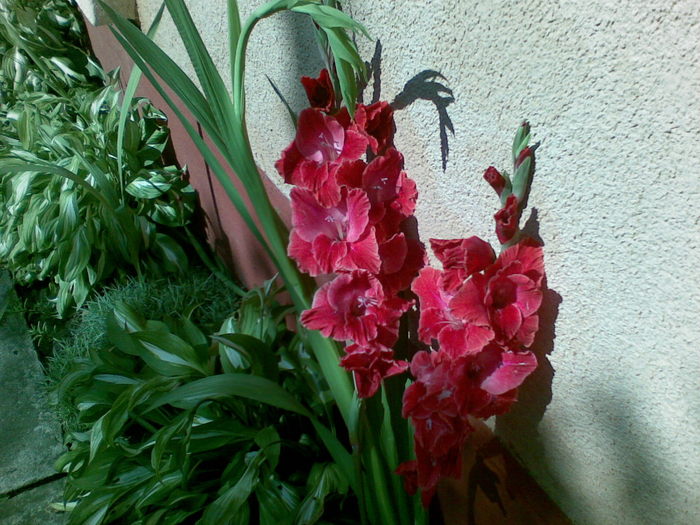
(186, 427)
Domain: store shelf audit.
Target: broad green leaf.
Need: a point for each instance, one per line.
(79, 256)
(129, 92)
(148, 188)
(172, 255)
(270, 445)
(277, 502)
(167, 354)
(224, 386)
(326, 16)
(226, 509)
(259, 355)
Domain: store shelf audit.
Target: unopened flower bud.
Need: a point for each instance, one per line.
(495, 179)
(524, 154)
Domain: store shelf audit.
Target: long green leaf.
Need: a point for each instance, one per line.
(212, 84)
(225, 386)
(167, 69)
(129, 92)
(209, 156)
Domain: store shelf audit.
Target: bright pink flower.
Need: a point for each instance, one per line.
(486, 383)
(334, 238)
(495, 179)
(319, 91)
(440, 429)
(507, 295)
(461, 258)
(320, 139)
(371, 364)
(377, 123)
(507, 219)
(456, 334)
(401, 258)
(392, 194)
(354, 307)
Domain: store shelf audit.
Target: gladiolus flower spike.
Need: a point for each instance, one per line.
(478, 315)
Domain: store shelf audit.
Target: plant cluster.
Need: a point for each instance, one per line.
(208, 428)
(201, 294)
(478, 315)
(84, 191)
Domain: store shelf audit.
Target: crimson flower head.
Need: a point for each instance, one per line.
(334, 238)
(353, 306)
(320, 139)
(486, 383)
(319, 91)
(506, 296)
(440, 428)
(461, 258)
(377, 123)
(370, 364)
(456, 333)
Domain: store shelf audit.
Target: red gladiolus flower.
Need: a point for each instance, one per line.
(507, 219)
(354, 307)
(440, 429)
(377, 123)
(402, 259)
(507, 296)
(486, 383)
(439, 319)
(461, 258)
(370, 364)
(335, 238)
(319, 91)
(320, 139)
(495, 179)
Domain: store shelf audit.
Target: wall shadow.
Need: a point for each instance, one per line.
(427, 85)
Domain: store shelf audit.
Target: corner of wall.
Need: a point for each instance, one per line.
(94, 14)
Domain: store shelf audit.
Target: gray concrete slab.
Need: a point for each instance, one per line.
(30, 437)
(33, 507)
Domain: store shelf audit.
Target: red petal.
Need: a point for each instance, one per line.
(362, 254)
(319, 91)
(468, 303)
(355, 145)
(300, 251)
(319, 137)
(328, 253)
(357, 214)
(427, 287)
(508, 320)
(514, 368)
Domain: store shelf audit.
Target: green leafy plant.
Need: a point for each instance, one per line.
(210, 430)
(205, 295)
(84, 190)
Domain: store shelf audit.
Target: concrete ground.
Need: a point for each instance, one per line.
(30, 436)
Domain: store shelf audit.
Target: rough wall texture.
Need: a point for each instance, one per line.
(610, 425)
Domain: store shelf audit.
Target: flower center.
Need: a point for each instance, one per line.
(504, 293)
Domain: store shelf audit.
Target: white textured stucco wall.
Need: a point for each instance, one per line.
(612, 89)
